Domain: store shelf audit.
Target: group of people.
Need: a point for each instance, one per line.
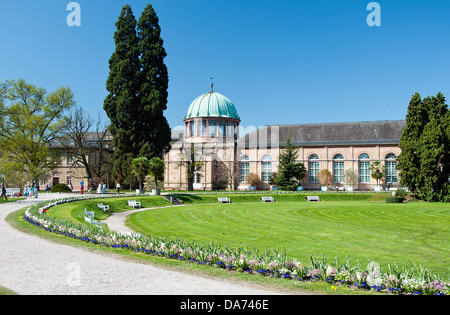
(32, 190)
(101, 188)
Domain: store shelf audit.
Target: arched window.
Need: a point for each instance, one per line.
(391, 169)
(313, 168)
(266, 169)
(338, 168)
(245, 168)
(364, 168)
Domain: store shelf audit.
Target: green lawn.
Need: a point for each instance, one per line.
(415, 232)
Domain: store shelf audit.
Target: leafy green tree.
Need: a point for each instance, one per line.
(122, 103)
(156, 169)
(140, 167)
(154, 84)
(32, 122)
(289, 173)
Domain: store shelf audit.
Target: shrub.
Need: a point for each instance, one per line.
(254, 180)
(61, 188)
(395, 199)
(401, 193)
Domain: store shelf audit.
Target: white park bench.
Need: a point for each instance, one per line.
(103, 207)
(93, 222)
(313, 198)
(134, 203)
(224, 199)
(10, 192)
(267, 199)
(89, 214)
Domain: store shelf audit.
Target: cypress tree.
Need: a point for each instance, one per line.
(424, 163)
(409, 160)
(154, 83)
(121, 104)
(433, 149)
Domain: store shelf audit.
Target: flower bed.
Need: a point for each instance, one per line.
(412, 281)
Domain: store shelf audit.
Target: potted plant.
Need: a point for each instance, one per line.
(140, 168)
(156, 169)
(254, 181)
(325, 178)
(377, 170)
(351, 178)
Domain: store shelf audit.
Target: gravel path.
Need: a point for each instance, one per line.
(30, 265)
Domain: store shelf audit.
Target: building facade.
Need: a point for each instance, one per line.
(210, 154)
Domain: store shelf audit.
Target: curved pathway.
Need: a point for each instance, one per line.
(116, 221)
(30, 265)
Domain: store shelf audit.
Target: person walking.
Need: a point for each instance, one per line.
(49, 188)
(118, 188)
(82, 187)
(104, 188)
(36, 189)
(4, 193)
(25, 191)
(99, 188)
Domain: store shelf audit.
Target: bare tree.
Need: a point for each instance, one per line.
(92, 149)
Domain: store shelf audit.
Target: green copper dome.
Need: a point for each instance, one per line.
(212, 104)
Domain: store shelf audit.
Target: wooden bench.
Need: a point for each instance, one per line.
(134, 203)
(93, 222)
(313, 198)
(11, 192)
(89, 214)
(267, 199)
(103, 207)
(224, 199)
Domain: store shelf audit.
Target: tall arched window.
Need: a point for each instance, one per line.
(364, 168)
(245, 169)
(391, 170)
(266, 169)
(313, 166)
(338, 168)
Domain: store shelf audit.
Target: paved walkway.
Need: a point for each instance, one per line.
(116, 222)
(30, 265)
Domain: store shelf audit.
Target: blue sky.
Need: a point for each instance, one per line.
(280, 62)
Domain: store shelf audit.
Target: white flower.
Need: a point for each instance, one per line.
(331, 271)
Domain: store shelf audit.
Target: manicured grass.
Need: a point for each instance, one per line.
(416, 232)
